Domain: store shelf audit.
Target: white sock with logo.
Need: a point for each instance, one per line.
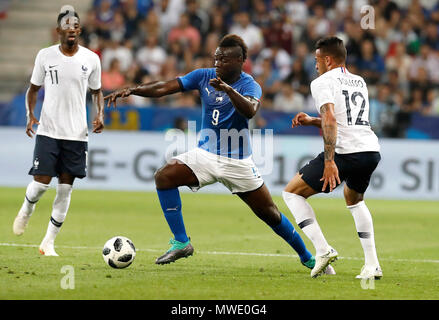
(306, 220)
(364, 226)
(59, 211)
(34, 192)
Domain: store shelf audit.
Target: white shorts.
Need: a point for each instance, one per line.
(237, 175)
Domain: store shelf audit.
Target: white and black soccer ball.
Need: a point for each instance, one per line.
(119, 252)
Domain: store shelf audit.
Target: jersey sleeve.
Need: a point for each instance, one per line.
(94, 80)
(322, 91)
(38, 72)
(192, 80)
(252, 89)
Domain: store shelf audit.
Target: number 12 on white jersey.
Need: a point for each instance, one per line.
(359, 121)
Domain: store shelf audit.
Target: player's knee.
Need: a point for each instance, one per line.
(163, 179)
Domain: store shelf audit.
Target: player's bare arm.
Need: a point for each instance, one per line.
(303, 119)
(31, 101)
(153, 89)
(329, 131)
(98, 103)
(247, 106)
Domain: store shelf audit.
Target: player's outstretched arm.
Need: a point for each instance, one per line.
(329, 132)
(247, 106)
(153, 89)
(303, 119)
(31, 101)
(98, 103)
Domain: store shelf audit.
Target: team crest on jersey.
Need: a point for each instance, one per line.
(36, 163)
(84, 68)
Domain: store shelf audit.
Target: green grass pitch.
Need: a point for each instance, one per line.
(236, 255)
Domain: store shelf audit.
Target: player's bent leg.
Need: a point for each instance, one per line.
(168, 179)
(364, 225)
(34, 191)
(295, 194)
(262, 205)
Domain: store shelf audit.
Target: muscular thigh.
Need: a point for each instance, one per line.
(175, 174)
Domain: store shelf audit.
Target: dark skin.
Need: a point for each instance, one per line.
(328, 124)
(69, 38)
(228, 65)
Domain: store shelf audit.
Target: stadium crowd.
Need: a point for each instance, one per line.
(145, 40)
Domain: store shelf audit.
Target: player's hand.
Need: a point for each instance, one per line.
(330, 176)
(219, 84)
(98, 124)
(29, 126)
(301, 119)
(122, 93)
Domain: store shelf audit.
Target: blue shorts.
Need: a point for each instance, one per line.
(54, 156)
(354, 168)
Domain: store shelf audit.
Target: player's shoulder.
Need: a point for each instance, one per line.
(47, 50)
(325, 79)
(88, 53)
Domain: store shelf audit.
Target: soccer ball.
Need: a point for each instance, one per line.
(119, 252)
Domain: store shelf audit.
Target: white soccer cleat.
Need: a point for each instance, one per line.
(47, 248)
(20, 223)
(329, 270)
(369, 272)
(323, 261)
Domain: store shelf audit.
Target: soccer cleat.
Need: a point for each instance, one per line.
(323, 261)
(20, 223)
(47, 248)
(177, 251)
(329, 270)
(368, 272)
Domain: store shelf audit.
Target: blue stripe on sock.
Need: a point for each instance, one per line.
(286, 230)
(170, 202)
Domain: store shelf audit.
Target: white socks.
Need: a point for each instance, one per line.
(364, 225)
(34, 192)
(59, 211)
(306, 220)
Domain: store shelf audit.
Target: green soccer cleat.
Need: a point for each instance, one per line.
(177, 251)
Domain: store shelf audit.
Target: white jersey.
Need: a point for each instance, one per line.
(348, 92)
(65, 80)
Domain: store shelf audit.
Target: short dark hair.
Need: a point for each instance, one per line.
(232, 40)
(334, 47)
(63, 14)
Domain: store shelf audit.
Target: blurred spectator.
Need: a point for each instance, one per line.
(428, 60)
(270, 81)
(400, 61)
(151, 56)
(281, 60)
(169, 12)
(105, 11)
(188, 36)
(251, 34)
(117, 29)
(132, 17)
(280, 35)
(288, 100)
(198, 18)
(112, 79)
(370, 64)
(123, 53)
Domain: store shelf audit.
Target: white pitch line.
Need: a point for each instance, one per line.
(255, 254)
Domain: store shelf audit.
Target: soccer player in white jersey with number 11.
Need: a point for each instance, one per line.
(351, 154)
(66, 70)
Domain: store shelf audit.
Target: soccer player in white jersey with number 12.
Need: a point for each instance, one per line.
(66, 70)
(351, 154)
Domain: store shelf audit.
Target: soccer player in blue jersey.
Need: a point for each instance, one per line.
(230, 97)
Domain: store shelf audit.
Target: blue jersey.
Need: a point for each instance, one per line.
(224, 131)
